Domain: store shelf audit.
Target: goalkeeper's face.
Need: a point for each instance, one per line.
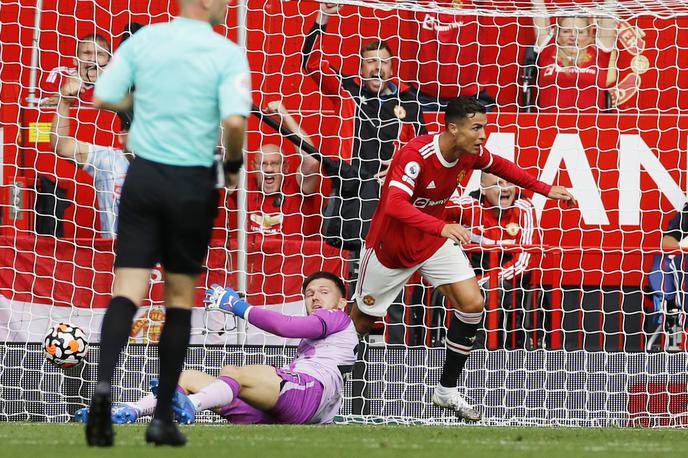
(376, 69)
(322, 293)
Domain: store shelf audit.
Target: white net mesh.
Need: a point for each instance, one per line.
(569, 335)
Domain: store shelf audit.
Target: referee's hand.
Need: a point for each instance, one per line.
(231, 182)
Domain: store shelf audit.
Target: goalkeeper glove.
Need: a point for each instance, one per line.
(225, 300)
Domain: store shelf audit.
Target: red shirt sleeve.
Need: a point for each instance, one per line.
(405, 169)
(510, 172)
(399, 207)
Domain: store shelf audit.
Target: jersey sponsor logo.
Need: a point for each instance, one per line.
(432, 23)
(556, 68)
(422, 202)
(412, 169)
(431, 185)
(512, 229)
(368, 300)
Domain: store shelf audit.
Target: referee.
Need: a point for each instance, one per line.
(189, 81)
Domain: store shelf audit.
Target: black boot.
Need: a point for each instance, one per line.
(99, 431)
(163, 433)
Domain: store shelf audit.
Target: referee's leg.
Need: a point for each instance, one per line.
(174, 340)
(129, 288)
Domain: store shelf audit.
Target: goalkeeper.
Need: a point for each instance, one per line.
(309, 390)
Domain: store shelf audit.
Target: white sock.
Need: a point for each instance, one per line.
(445, 391)
(145, 405)
(217, 394)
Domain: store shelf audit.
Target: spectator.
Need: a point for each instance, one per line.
(576, 62)
(92, 55)
(447, 57)
(108, 166)
(668, 280)
(498, 214)
(279, 205)
(380, 113)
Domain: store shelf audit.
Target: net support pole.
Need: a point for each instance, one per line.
(34, 53)
(242, 253)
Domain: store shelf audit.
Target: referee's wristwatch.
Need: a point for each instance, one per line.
(232, 167)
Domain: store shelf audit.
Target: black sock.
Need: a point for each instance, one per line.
(174, 340)
(114, 334)
(460, 337)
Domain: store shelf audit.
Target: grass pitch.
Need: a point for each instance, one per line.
(37, 440)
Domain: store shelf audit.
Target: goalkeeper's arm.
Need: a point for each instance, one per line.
(228, 301)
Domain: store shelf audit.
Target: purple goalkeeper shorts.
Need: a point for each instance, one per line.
(299, 398)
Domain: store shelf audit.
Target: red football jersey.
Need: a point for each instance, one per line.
(516, 225)
(285, 213)
(448, 54)
(572, 88)
(409, 219)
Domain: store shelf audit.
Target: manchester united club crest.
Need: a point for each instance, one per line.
(512, 229)
(368, 300)
(147, 327)
(399, 112)
(460, 176)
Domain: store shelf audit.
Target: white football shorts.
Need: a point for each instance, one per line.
(378, 285)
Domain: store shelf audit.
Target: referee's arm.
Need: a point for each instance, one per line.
(113, 86)
(234, 96)
(234, 130)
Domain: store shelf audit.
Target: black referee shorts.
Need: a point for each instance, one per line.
(166, 215)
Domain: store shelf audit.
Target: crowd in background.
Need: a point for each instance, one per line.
(575, 59)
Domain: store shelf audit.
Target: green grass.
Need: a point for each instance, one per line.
(40, 440)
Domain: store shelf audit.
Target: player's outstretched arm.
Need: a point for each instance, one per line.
(228, 301)
(561, 193)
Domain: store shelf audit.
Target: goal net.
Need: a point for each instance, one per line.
(582, 326)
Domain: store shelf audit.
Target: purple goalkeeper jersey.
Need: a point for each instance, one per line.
(327, 351)
(327, 359)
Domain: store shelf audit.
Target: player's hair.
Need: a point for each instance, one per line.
(94, 37)
(327, 276)
(461, 108)
(376, 45)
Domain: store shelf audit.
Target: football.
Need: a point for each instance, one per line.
(65, 345)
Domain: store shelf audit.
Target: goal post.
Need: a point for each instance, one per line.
(574, 340)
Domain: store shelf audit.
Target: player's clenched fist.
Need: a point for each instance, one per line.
(71, 88)
(456, 232)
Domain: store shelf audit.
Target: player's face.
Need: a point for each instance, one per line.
(469, 133)
(376, 70)
(322, 293)
(574, 33)
(217, 10)
(498, 192)
(91, 59)
(269, 177)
